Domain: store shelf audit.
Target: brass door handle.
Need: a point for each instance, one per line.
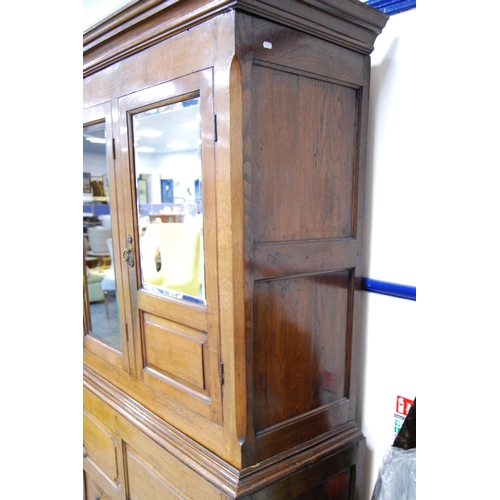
(128, 253)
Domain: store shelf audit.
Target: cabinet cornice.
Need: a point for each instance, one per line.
(348, 23)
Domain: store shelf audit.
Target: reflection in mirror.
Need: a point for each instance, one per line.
(167, 145)
(101, 311)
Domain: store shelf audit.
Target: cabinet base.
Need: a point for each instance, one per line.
(128, 457)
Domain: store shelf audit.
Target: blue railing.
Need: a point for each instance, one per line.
(387, 288)
(391, 7)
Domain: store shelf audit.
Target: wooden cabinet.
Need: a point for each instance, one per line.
(241, 384)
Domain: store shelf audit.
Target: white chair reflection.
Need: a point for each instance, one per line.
(108, 283)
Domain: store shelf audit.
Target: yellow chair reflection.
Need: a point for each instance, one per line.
(180, 253)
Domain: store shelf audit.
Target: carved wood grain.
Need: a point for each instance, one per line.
(304, 170)
(300, 345)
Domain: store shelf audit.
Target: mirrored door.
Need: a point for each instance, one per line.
(168, 170)
(167, 155)
(102, 295)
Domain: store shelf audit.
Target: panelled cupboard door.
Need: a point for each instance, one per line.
(166, 151)
(103, 297)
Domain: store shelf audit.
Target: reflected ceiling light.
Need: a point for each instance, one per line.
(192, 125)
(144, 149)
(96, 140)
(148, 133)
(178, 145)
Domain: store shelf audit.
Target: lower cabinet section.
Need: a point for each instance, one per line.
(127, 461)
(91, 490)
(335, 476)
(337, 487)
(144, 483)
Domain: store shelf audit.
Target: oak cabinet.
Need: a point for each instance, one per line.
(231, 140)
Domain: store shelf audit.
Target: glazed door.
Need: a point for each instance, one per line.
(103, 305)
(166, 154)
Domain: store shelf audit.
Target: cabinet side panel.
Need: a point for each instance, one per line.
(338, 487)
(332, 476)
(300, 345)
(304, 157)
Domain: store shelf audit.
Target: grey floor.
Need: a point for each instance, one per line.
(106, 328)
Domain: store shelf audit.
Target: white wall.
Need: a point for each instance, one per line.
(97, 10)
(435, 212)
(388, 360)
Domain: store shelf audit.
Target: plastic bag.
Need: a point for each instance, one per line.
(397, 477)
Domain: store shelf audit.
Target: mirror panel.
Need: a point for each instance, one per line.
(100, 294)
(168, 169)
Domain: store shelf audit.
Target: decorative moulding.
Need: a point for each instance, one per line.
(350, 24)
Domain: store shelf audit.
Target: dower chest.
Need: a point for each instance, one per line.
(248, 392)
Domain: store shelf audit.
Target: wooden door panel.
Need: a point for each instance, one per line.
(194, 316)
(175, 351)
(177, 362)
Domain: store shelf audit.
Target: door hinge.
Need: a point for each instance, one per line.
(221, 364)
(215, 128)
(126, 331)
(114, 149)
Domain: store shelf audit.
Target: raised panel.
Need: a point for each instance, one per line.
(174, 350)
(144, 484)
(92, 490)
(179, 461)
(304, 176)
(178, 363)
(100, 447)
(301, 345)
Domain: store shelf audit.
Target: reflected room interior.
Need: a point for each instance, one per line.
(167, 156)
